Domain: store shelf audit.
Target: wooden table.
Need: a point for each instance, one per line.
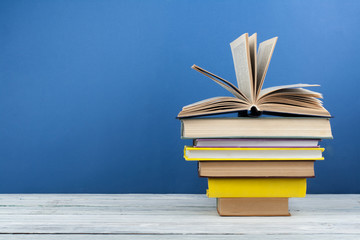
(169, 216)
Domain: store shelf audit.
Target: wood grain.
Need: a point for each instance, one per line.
(169, 216)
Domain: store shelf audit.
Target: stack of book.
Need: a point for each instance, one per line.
(254, 165)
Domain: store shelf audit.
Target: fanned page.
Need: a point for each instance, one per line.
(212, 106)
(274, 89)
(294, 109)
(216, 105)
(292, 99)
(253, 53)
(222, 82)
(241, 56)
(301, 92)
(265, 52)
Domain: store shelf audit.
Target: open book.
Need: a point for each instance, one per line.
(249, 98)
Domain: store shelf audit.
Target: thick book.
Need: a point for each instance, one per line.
(256, 187)
(251, 65)
(253, 206)
(246, 127)
(258, 169)
(256, 142)
(251, 154)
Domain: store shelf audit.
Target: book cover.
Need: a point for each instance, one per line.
(251, 154)
(254, 143)
(256, 187)
(256, 169)
(253, 206)
(263, 127)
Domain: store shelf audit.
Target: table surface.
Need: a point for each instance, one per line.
(169, 216)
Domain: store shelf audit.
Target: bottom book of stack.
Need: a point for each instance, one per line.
(253, 206)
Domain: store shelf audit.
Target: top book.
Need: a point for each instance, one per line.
(250, 69)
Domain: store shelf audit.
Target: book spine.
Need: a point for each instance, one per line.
(256, 187)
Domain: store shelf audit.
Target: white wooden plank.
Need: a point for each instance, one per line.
(177, 237)
(172, 215)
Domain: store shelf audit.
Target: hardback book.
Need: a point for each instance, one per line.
(245, 154)
(253, 206)
(264, 127)
(251, 65)
(255, 142)
(257, 169)
(256, 187)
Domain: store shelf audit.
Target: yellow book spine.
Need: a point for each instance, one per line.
(256, 187)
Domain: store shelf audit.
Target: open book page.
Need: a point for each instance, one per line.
(302, 101)
(269, 90)
(290, 99)
(214, 106)
(202, 101)
(265, 52)
(253, 53)
(290, 91)
(241, 56)
(286, 109)
(217, 101)
(213, 100)
(222, 82)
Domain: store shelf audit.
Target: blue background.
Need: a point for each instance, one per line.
(89, 90)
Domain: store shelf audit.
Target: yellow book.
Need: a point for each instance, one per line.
(251, 154)
(256, 187)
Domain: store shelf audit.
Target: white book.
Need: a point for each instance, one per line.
(243, 154)
(312, 143)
